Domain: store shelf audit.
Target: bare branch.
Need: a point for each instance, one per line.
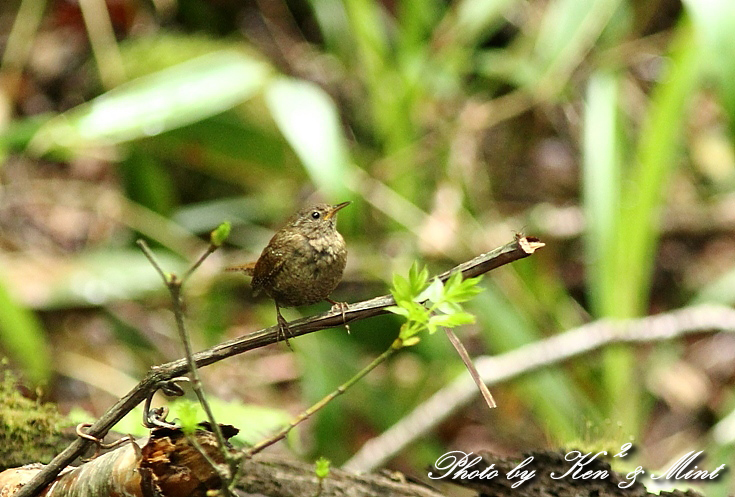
(519, 248)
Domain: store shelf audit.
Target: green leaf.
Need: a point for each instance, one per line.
(458, 290)
(417, 312)
(309, 120)
(401, 289)
(433, 292)
(454, 279)
(322, 467)
(401, 311)
(448, 307)
(452, 320)
(417, 278)
(555, 397)
(152, 104)
(187, 413)
(445, 297)
(411, 328)
(408, 342)
(657, 157)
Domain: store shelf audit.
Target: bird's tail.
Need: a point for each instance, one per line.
(245, 268)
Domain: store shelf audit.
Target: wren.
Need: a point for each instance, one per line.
(303, 262)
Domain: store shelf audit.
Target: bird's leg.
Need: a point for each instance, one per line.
(283, 329)
(342, 307)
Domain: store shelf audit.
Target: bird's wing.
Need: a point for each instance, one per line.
(269, 264)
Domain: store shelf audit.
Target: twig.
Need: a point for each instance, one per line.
(173, 283)
(531, 357)
(513, 251)
(198, 263)
(152, 259)
(459, 347)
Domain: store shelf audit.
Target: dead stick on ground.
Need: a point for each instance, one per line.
(519, 248)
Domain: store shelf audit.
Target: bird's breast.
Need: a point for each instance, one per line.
(311, 272)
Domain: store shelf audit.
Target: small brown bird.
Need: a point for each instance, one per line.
(303, 262)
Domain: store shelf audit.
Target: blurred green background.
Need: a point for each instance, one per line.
(604, 127)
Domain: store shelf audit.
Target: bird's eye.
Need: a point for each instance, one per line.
(316, 215)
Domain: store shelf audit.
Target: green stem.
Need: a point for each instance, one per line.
(323, 402)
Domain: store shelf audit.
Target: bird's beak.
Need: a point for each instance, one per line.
(335, 208)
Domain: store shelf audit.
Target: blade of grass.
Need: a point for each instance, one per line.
(19, 41)
(714, 21)
(23, 338)
(389, 80)
(367, 27)
(601, 164)
(569, 29)
(655, 160)
(477, 19)
(601, 195)
(416, 21)
(152, 104)
(309, 120)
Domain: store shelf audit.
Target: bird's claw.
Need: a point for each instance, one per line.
(343, 307)
(283, 331)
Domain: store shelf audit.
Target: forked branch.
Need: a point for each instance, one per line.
(519, 248)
